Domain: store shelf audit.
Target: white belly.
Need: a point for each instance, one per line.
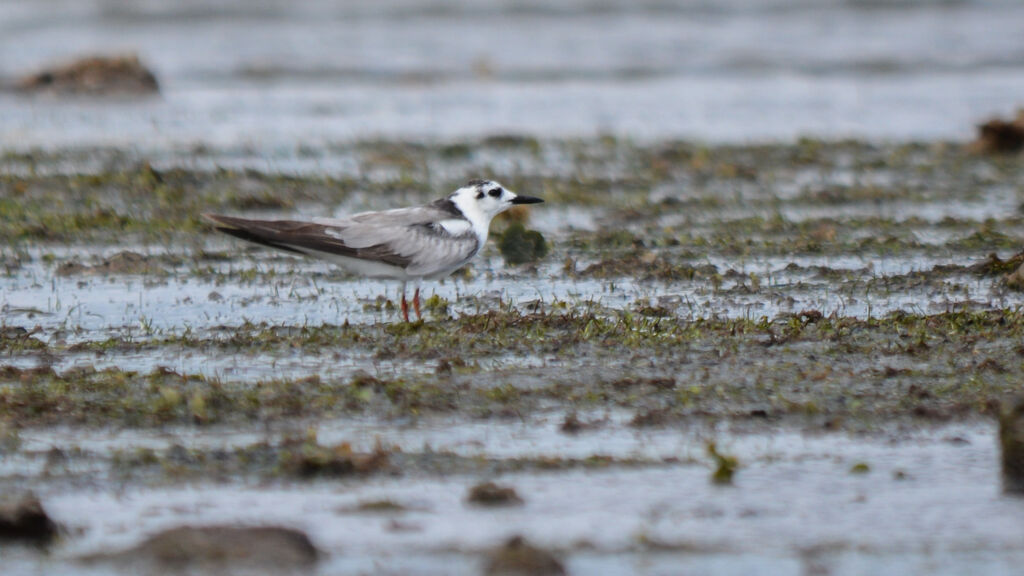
(367, 268)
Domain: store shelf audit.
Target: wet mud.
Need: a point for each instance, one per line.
(727, 358)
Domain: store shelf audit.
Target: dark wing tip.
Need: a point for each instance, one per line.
(213, 218)
(255, 231)
(225, 223)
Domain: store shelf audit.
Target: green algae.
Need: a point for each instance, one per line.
(833, 371)
(860, 468)
(725, 465)
(521, 246)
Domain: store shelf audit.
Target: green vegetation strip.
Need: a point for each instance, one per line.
(664, 369)
(732, 198)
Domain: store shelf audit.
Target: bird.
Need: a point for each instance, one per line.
(411, 244)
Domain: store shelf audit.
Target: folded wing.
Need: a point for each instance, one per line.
(409, 238)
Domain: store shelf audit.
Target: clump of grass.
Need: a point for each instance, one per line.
(306, 458)
(995, 266)
(644, 307)
(645, 265)
(436, 305)
(1015, 280)
(491, 494)
(521, 246)
(725, 465)
(14, 341)
(572, 424)
(651, 418)
(506, 393)
(860, 468)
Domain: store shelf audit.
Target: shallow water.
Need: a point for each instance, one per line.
(916, 510)
(274, 76)
(298, 292)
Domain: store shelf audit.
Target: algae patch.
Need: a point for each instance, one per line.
(521, 246)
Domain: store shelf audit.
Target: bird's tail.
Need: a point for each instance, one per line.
(271, 233)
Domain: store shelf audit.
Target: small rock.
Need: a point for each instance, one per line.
(491, 494)
(1011, 444)
(13, 332)
(94, 75)
(72, 268)
(518, 558)
(571, 424)
(646, 418)
(1000, 136)
(824, 232)
(228, 546)
(1015, 280)
(310, 459)
(125, 262)
(810, 316)
(23, 518)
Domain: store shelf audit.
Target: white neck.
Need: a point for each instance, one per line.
(480, 220)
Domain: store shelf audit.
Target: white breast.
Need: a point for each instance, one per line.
(455, 226)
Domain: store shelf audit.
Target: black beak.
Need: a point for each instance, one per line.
(526, 200)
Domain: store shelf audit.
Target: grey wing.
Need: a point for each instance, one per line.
(412, 234)
(434, 251)
(377, 228)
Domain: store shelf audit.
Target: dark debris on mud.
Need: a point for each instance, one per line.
(99, 75)
(292, 459)
(998, 136)
(492, 494)
(23, 519)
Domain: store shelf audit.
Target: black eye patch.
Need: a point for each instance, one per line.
(495, 192)
(480, 195)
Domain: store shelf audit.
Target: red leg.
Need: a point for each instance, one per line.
(405, 307)
(416, 303)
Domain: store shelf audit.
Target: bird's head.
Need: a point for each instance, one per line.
(487, 199)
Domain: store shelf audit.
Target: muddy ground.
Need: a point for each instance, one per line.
(834, 317)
